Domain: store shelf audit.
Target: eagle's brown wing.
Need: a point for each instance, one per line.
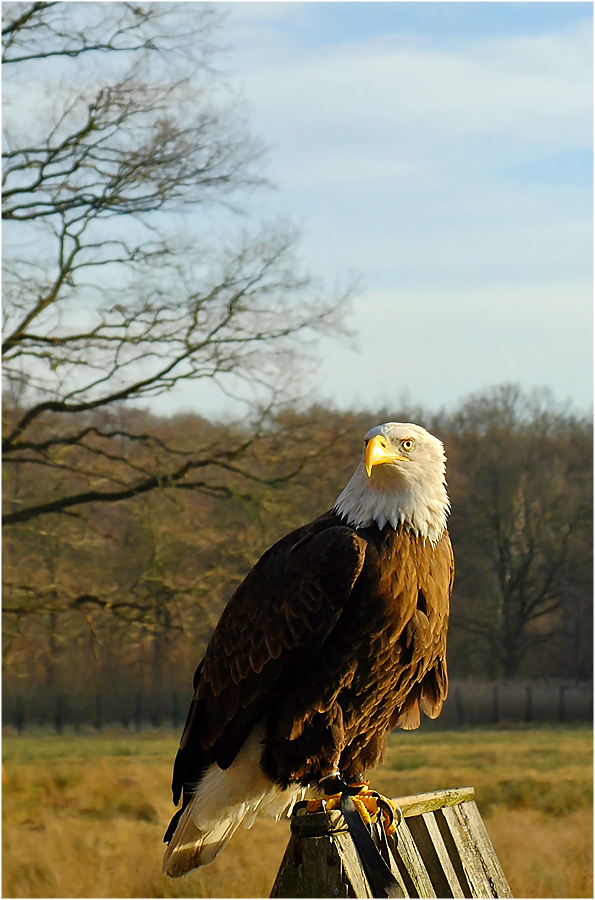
(272, 628)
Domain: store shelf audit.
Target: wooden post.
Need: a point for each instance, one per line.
(442, 850)
(20, 714)
(495, 710)
(459, 705)
(561, 704)
(529, 705)
(138, 711)
(98, 712)
(59, 713)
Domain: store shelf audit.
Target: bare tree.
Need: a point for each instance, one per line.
(121, 278)
(522, 517)
(142, 584)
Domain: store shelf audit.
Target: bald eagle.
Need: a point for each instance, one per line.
(336, 636)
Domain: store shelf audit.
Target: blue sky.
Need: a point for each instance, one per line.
(324, 24)
(443, 153)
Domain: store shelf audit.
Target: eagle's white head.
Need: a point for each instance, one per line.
(400, 480)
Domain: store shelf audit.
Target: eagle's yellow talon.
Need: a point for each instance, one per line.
(366, 803)
(323, 804)
(370, 805)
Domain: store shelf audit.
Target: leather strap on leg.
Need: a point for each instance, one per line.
(382, 881)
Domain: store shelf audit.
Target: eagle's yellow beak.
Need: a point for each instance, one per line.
(377, 452)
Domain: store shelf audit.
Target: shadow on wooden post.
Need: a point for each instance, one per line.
(443, 850)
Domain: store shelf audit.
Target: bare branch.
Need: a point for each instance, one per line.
(107, 301)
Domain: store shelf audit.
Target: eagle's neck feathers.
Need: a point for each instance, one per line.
(388, 497)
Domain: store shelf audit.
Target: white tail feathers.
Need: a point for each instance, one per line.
(191, 847)
(223, 800)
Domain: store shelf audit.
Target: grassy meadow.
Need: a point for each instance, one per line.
(84, 814)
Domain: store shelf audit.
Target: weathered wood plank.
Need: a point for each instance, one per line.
(386, 849)
(435, 856)
(453, 852)
(472, 824)
(351, 864)
(448, 868)
(468, 852)
(416, 804)
(313, 867)
(411, 866)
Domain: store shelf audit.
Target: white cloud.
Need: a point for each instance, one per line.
(448, 175)
(533, 89)
(438, 346)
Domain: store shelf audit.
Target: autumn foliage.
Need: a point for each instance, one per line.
(128, 592)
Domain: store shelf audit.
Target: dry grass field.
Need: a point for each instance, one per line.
(84, 814)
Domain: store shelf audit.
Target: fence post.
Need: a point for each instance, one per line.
(98, 712)
(459, 704)
(561, 704)
(138, 709)
(20, 714)
(529, 705)
(59, 713)
(495, 709)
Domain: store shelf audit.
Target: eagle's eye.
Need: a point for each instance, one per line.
(408, 444)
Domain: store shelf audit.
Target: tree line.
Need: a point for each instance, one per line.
(128, 592)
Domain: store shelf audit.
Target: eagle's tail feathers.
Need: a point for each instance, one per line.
(224, 798)
(191, 847)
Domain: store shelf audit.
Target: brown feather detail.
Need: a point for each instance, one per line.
(297, 728)
(336, 636)
(387, 644)
(409, 717)
(257, 657)
(434, 690)
(268, 636)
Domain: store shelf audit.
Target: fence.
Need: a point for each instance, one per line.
(470, 703)
(499, 703)
(134, 710)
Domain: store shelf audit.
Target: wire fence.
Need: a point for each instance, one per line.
(132, 710)
(484, 703)
(470, 703)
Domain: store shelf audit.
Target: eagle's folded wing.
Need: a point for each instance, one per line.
(272, 628)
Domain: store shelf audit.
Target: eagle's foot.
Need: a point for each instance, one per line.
(371, 806)
(335, 784)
